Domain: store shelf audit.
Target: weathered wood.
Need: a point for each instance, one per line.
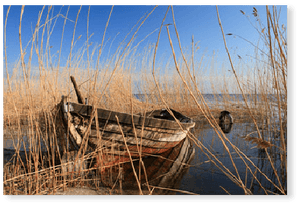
(69, 165)
(67, 117)
(78, 93)
(139, 131)
(138, 120)
(154, 133)
(151, 137)
(137, 141)
(162, 171)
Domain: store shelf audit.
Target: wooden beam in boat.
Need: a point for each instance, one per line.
(71, 127)
(78, 93)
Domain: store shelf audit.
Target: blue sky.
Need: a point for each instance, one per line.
(200, 21)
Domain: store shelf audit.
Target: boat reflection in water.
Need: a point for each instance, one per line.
(162, 172)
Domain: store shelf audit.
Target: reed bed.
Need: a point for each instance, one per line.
(31, 96)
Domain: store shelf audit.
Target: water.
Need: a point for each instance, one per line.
(13, 140)
(216, 98)
(203, 177)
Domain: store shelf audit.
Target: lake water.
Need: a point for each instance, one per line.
(219, 98)
(203, 177)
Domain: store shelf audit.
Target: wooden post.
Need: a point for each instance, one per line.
(78, 93)
(75, 138)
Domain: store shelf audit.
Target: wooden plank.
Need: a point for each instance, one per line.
(113, 127)
(150, 136)
(78, 93)
(146, 151)
(125, 118)
(148, 132)
(67, 116)
(118, 139)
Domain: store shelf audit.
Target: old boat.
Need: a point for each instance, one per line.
(161, 171)
(152, 133)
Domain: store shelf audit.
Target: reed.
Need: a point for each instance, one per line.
(31, 96)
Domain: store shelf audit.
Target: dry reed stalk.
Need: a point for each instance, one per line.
(160, 90)
(40, 53)
(227, 149)
(245, 100)
(174, 190)
(199, 144)
(119, 177)
(62, 37)
(236, 77)
(42, 38)
(4, 41)
(139, 147)
(50, 140)
(250, 170)
(231, 176)
(28, 92)
(225, 190)
(41, 173)
(72, 42)
(276, 86)
(84, 143)
(154, 56)
(99, 136)
(182, 95)
(62, 185)
(48, 47)
(246, 177)
(123, 52)
(181, 76)
(87, 46)
(128, 151)
(135, 47)
(100, 50)
(21, 50)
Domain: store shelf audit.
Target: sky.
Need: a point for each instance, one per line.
(198, 21)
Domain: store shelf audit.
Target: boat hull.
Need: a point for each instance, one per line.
(122, 134)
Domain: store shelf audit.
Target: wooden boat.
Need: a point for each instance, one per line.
(153, 133)
(162, 171)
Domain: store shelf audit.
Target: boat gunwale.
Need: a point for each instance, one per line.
(172, 124)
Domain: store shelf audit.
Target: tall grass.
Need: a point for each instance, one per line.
(30, 98)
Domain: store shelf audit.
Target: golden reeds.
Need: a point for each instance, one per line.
(28, 104)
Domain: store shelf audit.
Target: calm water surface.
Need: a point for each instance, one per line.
(203, 177)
